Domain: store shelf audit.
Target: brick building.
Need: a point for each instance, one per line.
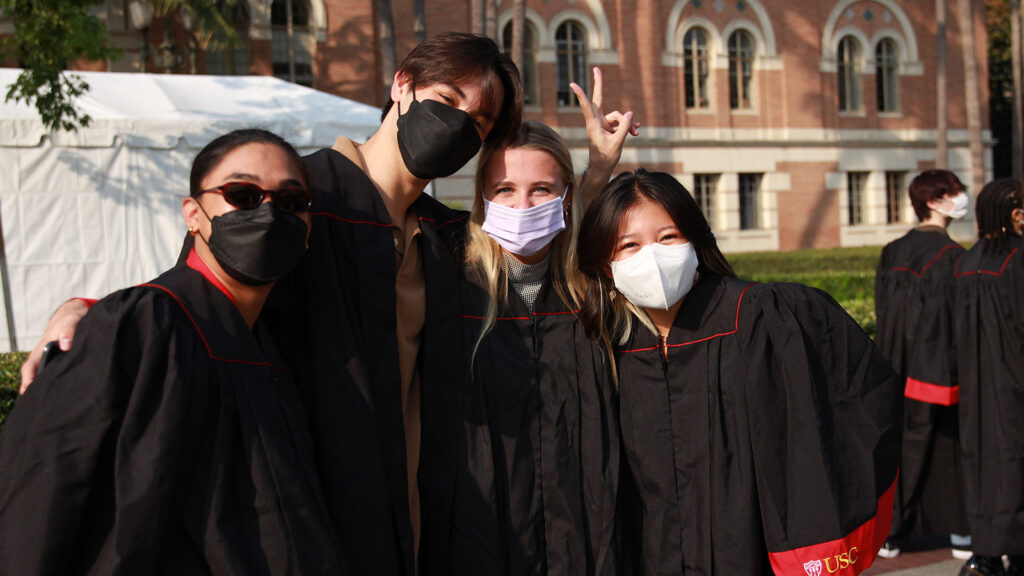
(796, 123)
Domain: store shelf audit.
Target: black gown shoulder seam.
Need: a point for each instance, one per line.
(1002, 268)
(736, 328)
(919, 273)
(352, 220)
(199, 331)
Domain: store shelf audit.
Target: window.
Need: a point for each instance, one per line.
(855, 182)
(894, 197)
(887, 83)
(529, 68)
(750, 201)
(292, 41)
(232, 61)
(695, 54)
(741, 69)
(849, 75)
(704, 186)
(571, 46)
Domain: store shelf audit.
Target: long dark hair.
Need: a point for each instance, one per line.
(994, 211)
(609, 318)
(211, 155)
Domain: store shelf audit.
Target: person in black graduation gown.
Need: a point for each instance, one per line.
(913, 305)
(171, 439)
(989, 327)
(759, 424)
(371, 317)
(386, 394)
(537, 492)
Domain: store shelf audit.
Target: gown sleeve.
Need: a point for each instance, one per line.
(931, 368)
(824, 417)
(88, 456)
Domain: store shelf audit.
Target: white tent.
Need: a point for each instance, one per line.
(89, 212)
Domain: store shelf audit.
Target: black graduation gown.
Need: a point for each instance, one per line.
(767, 440)
(914, 304)
(338, 310)
(990, 353)
(537, 492)
(169, 440)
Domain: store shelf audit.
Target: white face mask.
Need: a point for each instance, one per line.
(524, 231)
(959, 206)
(657, 276)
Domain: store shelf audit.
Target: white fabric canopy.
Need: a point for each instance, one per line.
(89, 212)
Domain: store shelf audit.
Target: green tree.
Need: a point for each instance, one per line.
(48, 35)
(998, 19)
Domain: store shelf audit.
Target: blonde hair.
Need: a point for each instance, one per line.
(485, 259)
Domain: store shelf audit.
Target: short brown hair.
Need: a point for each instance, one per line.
(932, 185)
(456, 56)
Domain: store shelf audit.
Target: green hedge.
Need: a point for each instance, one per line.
(860, 259)
(10, 379)
(847, 274)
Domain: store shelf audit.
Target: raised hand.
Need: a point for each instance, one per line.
(606, 133)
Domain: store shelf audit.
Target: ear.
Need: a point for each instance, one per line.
(567, 201)
(190, 211)
(401, 83)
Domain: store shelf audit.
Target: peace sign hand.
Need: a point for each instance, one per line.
(606, 134)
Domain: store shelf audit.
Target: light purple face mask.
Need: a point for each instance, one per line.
(524, 231)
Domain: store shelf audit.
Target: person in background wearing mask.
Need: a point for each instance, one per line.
(989, 316)
(537, 494)
(760, 425)
(371, 318)
(171, 439)
(913, 305)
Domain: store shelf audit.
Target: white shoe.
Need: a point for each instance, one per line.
(962, 553)
(889, 550)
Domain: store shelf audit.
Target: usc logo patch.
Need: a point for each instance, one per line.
(832, 564)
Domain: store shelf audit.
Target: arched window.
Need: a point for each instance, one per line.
(571, 45)
(231, 61)
(848, 60)
(887, 81)
(695, 54)
(741, 69)
(292, 41)
(529, 67)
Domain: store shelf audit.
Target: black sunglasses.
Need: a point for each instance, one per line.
(246, 196)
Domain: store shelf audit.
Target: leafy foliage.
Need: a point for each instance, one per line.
(1000, 84)
(48, 36)
(10, 379)
(215, 20)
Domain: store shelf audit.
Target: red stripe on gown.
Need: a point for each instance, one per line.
(932, 393)
(848, 555)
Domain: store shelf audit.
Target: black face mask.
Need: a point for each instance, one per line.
(436, 139)
(258, 246)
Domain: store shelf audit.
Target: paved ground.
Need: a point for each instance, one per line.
(930, 563)
(919, 558)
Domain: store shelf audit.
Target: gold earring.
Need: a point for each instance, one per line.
(191, 230)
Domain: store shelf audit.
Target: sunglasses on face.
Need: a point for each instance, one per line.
(246, 196)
